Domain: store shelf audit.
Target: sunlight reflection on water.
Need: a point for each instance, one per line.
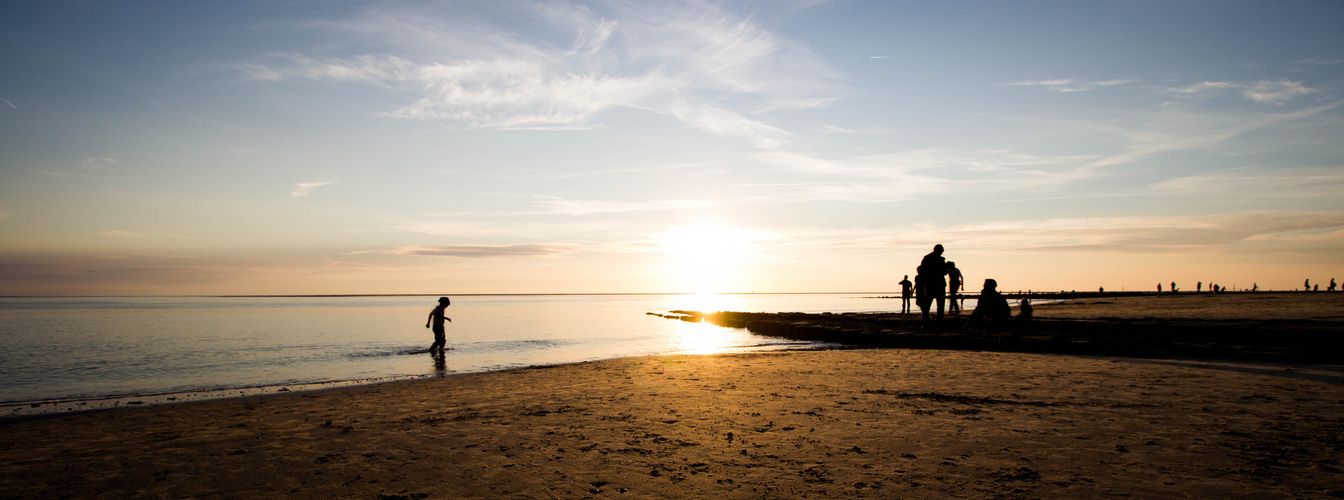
(138, 346)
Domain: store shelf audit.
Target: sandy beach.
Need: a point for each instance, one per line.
(882, 423)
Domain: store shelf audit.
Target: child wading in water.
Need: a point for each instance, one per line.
(436, 316)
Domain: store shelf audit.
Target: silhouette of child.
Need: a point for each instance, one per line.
(436, 316)
(954, 284)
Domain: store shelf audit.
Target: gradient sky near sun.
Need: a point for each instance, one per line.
(331, 147)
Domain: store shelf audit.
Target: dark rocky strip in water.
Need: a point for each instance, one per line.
(1298, 341)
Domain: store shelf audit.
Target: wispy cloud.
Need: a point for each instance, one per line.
(1071, 84)
(119, 234)
(561, 206)
(1104, 235)
(303, 189)
(1277, 183)
(485, 251)
(1176, 132)
(693, 61)
(1321, 61)
(97, 163)
(1263, 91)
(863, 130)
(906, 175)
(1276, 92)
(1140, 234)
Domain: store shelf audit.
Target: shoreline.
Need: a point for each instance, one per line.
(886, 330)
(61, 406)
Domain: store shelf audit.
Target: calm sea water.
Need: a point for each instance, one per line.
(90, 349)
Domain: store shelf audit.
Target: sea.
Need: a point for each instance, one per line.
(71, 354)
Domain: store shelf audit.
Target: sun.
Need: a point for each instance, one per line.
(705, 258)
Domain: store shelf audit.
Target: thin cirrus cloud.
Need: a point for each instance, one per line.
(1140, 235)
(303, 189)
(1071, 84)
(119, 234)
(1263, 91)
(1274, 183)
(551, 205)
(687, 61)
(527, 251)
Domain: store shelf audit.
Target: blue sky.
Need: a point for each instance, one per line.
(518, 147)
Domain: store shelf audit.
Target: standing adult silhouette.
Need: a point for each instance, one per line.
(907, 290)
(931, 285)
(954, 285)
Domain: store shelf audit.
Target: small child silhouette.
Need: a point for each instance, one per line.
(436, 316)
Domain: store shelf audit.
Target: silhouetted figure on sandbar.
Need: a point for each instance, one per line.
(1159, 289)
(930, 285)
(1255, 287)
(1315, 288)
(1173, 288)
(1307, 284)
(907, 291)
(991, 306)
(1199, 286)
(437, 318)
(1024, 309)
(1331, 288)
(954, 285)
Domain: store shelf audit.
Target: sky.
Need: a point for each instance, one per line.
(455, 147)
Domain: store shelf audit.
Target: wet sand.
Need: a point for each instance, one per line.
(817, 424)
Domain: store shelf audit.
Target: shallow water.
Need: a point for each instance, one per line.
(94, 348)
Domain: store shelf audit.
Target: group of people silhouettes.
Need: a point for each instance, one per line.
(1217, 289)
(1316, 288)
(937, 280)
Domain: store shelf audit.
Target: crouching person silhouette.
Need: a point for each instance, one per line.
(991, 307)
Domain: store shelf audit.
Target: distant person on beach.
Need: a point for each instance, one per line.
(1331, 288)
(954, 285)
(1307, 284)
(1173, 287)
(907, 290)
(436, 317)
(1024, 309)
(1159, 289)
(1199, 286)
(991, 306)
(930, 285)
(1255, 287)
